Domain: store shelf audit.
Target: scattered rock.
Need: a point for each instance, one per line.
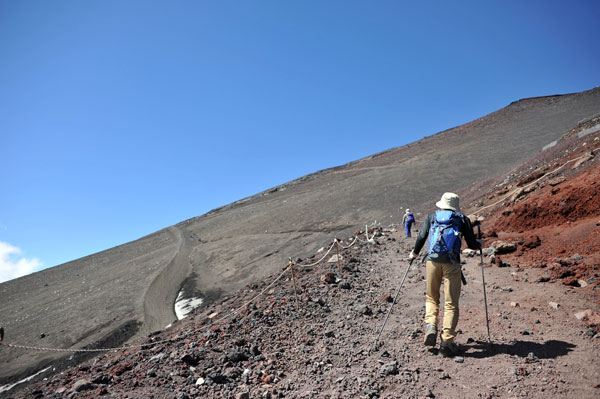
(584, 314)
(387, 298)
(459, 359)
(237, 356)
(328, 278)
(364, 309)
(83, 385)
(556, 181)
(500, 263)
(335, 258)
(554, 305)
(503, 247)
(468, 252)
(531, 242)
(514, 304)
(390, 368)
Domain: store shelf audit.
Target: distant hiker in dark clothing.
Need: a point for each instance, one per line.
(407, 220)
(444, 228)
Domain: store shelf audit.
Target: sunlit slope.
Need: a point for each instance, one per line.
(129, 290)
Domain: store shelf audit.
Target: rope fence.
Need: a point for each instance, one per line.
(335, 244)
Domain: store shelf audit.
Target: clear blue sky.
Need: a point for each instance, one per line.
(119, 118)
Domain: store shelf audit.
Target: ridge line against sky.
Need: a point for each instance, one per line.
(118, 119)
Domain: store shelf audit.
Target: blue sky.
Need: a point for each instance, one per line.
(119, 118)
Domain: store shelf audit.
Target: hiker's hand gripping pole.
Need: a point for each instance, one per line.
(487, 319)
(394, 301)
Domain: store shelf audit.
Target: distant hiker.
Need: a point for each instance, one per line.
(407, 220)
(444, 228)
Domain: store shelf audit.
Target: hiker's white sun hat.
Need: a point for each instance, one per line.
(449, 201)
(407, 210)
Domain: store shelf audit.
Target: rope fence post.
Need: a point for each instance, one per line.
(337, 247)
(291, 266)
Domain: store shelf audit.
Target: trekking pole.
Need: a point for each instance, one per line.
(394, 301)
(487, 319)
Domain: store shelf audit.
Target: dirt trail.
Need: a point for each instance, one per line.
(161, 294)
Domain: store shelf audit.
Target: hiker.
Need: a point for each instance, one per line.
(407, 220)
(444, 228)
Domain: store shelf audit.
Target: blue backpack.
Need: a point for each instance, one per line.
(445, 237)
(411, 218)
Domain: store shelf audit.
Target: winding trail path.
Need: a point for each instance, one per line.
(160, 297)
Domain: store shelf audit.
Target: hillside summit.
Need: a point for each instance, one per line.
(217, 254)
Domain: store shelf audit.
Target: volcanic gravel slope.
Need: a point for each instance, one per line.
(260, 343)
(128, 292)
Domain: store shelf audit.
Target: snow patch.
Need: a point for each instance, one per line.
(183, 307)
(589, 130)
(4, 388)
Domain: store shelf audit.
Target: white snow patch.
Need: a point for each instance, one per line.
(183, 307)
(589, 130)
(4, 388)
(550, 145)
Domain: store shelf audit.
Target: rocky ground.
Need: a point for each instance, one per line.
(325, 345)
(542, 277)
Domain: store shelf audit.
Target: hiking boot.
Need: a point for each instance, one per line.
(430, 334)
(449, 349)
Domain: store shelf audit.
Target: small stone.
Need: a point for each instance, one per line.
(200, 381)
(591, 332)
(335, 258)
(584, 314)
(387, 298)
(83, 385)
(554, 305)
(503, 247)
(242, 395)
(390, 368)
(364, 309)
(514, 304)
(345, 285)
(459, 359)
(328, 278)
(468, 252)
(582, 283)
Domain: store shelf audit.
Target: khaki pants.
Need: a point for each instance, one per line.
(450, 273)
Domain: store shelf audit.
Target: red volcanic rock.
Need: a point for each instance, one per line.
(531, 241)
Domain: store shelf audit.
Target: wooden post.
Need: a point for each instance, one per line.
(291, 266)
(339, 261)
